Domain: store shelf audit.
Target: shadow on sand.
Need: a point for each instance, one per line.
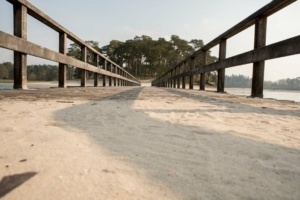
(193, 162)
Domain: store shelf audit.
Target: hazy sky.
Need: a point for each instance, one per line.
(104, 21)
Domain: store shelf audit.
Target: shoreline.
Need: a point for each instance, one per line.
(275, 94)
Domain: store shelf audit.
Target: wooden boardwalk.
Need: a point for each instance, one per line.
(197, 64)
(148, 143)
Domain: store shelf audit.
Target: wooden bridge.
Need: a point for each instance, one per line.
(177, 75)
(116, 74)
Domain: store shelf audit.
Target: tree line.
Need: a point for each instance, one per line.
(34, 72)
(240, 81)
(143, 56)
(50, 73)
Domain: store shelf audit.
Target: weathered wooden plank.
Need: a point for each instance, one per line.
(284, 48)
(192, 66)
(221, 72)
(42, 17)
(10, 42)
(265, 11)
(83, 71)
(62, 68)
(259, 67)
(203, 63)
(20, 59)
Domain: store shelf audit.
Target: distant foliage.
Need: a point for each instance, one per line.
(42, 73)
(284, 84)
(145, 57)
(75, 51)
(6, 70)
(142, 56)
(240, 81)
(34, 72)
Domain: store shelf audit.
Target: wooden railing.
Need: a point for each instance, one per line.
(176, 76)
(18, 43)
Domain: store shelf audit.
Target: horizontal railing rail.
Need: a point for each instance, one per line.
(258, 56)
(19, 44)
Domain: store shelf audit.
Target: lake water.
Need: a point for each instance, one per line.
(9, 86)
(275, 94)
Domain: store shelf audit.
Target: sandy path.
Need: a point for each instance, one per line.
(148, 143)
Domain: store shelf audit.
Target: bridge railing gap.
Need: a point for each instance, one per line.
(172, 78)
(21, 47)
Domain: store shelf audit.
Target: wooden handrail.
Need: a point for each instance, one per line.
(41, 52)
(257, 56)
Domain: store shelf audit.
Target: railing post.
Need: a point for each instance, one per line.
(118, 72)
(83, 71)
(184, 78)
(20, 59)
(110, 78)
(221, 72)
(178, 79)
(171, 79)
(121, 81)
(103, 76)
(121, 73)
(174, 80)
(96, 75)
(168, 79)
(115, 79)
(259, 67)
(192, 66)
(62, 68)
(203, 62)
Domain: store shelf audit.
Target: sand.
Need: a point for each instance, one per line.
(147, 143)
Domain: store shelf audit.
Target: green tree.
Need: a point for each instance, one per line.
(75, 51)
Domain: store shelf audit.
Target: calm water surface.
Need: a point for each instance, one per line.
(9, 86)
(274, 94)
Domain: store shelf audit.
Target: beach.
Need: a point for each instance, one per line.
(147, 143)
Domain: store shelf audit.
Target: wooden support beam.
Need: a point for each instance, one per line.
(269, 9)
(259, 67)
(104, 77)
(96, 75)
(83, 71)
(20, 59)
(221, 72)
(174, 80)
(203, 63)
(192, 66)
(115, 79)
(110, 81)
(110, 78)
(184, 77)
(118, 80)
(14, 43)
(45, 19)
(62, 71)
